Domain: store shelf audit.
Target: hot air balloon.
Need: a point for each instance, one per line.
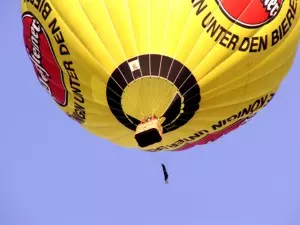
(161, 74)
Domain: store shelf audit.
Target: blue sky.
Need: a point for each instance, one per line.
(54, 172)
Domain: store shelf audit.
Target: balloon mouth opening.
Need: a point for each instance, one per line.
(149, 132)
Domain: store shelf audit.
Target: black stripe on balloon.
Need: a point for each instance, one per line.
(156, 66)
(126, 72)
(166, 63)
(144, 64)
(173, 110)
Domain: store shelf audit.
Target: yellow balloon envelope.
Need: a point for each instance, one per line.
(161, 74)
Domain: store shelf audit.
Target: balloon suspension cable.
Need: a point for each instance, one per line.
(166, 175)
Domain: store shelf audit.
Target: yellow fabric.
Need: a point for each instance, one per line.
(235, 60)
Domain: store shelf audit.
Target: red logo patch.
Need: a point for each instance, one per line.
(216, 135)
(42, 56)
(250, 13)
